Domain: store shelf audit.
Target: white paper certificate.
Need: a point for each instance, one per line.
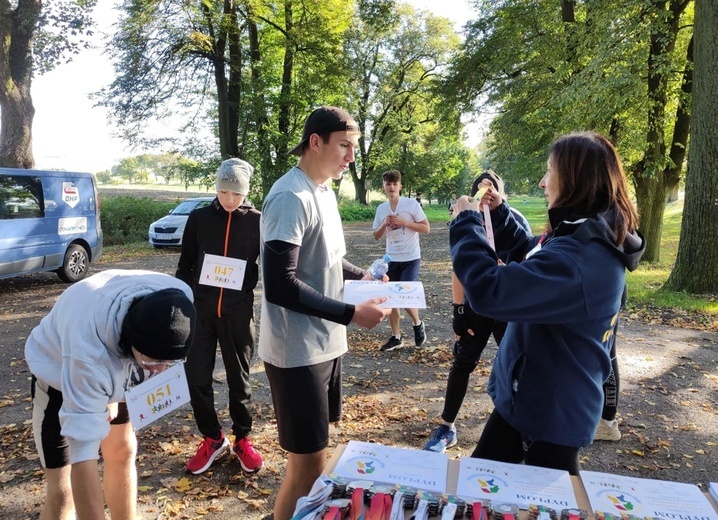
(645, 497)
(157, 396)
(505, 483)
(222, 271)
(400, 295)
(418, 469)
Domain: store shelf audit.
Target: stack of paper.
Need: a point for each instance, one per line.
(645, 497)
(713, 488)
(505, 483)
(416, 469)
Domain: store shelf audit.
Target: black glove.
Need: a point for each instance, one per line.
(464, 319)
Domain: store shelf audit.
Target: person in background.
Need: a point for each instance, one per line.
(228, 228)
(561, 301)
(607, 429)
(472, 331)
(418, 199)
(302, 334)
(133, 324)
(399, 221)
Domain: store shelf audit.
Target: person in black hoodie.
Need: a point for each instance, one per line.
(220, 247)
(561, 302)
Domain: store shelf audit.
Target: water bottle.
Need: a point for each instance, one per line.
(379, 267)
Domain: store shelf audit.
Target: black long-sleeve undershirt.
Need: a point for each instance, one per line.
(282, 287)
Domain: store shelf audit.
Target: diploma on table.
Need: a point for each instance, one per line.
(400, 295)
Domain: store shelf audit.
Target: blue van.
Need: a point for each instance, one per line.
(49, 221)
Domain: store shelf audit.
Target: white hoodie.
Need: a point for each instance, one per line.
(75, 349)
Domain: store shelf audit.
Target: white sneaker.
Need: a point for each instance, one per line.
(607, 431)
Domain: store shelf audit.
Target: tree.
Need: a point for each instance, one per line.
(32, 34)
(696, 268)
(620, 68)
(396, 56)
(249, 69)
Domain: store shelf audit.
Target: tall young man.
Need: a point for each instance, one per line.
(303, 328)
(401, 220)
(133, 324)
(225, 231)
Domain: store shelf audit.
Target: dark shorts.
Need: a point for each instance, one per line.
(51, 445)
(306, 399)
(404, 271)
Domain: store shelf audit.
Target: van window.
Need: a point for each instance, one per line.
(21, 197)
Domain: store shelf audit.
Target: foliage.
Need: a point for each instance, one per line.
(696, 268)
(104, 177)
(34, 38)
(549, 68)
(247, 71)
(64, 29)
(126, 219)
(397, 54)
(352, 211)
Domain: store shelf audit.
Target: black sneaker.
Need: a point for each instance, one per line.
(392, 344)
(419, 334)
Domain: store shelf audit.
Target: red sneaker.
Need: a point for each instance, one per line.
(249, 459)
(209, 449)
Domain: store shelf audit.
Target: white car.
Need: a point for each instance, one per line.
(168, 230)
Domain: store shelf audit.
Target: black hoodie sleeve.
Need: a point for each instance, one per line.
(283, 288)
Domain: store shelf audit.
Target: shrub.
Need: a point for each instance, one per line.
(127, 219)
(352, 211)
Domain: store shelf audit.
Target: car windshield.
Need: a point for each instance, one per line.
(185, 208)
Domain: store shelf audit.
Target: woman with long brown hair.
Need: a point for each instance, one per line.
(561, 301)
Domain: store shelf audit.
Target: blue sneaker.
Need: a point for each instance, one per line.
(442, 438)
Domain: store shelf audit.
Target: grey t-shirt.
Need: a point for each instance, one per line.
(303, 213)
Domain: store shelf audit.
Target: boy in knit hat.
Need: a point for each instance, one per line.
(134, 324)
(224, 234)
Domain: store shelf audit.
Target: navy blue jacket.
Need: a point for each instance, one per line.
(561, 303)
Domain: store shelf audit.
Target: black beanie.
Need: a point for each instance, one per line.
(160, 325)
(493, 177)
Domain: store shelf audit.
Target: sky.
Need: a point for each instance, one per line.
(69, 133)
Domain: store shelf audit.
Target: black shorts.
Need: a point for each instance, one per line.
(51, 445)
(306, 399)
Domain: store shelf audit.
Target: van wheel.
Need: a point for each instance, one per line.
(74, 268)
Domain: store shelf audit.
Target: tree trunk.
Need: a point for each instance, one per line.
(360, 191)
(17, 29)
(656, 180)
(651, 195)
(258, 105)
(696, 268)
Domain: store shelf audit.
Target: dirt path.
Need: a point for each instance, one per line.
(668, 410)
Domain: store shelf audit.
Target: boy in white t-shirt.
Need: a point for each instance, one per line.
(401, 219)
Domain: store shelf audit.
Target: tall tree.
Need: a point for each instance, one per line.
(696, 268)
(395, 56)
(248, 69)
(33, 38)
(656, 175)
(620, 68)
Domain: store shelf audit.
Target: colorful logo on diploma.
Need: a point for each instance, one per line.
(366, 465)
(489, 484)
(622, 501)
(402, 288)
